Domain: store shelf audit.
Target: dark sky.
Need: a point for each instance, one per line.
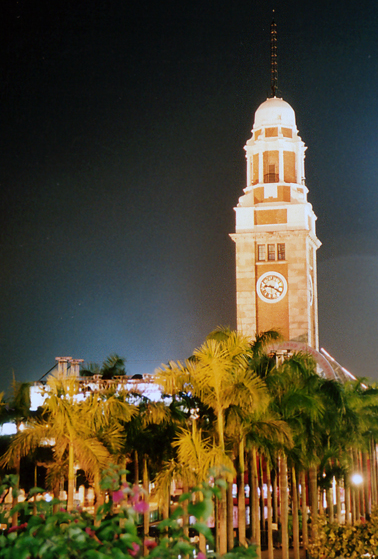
(122, 126)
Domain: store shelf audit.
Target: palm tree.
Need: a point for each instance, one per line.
(358, 428)
(74, 428)
(292, 386)
(112, 367)
(218, 375)
(17, 409)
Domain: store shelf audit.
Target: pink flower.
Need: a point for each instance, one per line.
(136, 494)
(135, 549)
(117, 496)
(89, 531)
(201, 555)
(141, 506)
(150, 544)
(16, 528)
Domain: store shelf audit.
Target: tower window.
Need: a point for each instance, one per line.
(287, 132)
(270, 132)
(289, 166)
(271, 252)
(281, 251)
(261, 252)
(270, 161)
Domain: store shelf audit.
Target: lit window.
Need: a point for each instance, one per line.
(281, 252)
(260, 252)
(271, 252)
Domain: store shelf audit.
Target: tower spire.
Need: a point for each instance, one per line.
(273, 58)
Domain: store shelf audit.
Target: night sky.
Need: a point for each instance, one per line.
(122, 126)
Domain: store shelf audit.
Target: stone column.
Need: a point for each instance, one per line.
(62, 365)
(75, 367)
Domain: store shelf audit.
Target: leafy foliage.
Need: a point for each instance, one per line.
(70, 535)
(334, 540)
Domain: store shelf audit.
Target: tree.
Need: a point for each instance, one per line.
(293, 386)
(218, 375)
(112, 367)
(17, 410)
(74, 427)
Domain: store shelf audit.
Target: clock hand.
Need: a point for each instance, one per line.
(275, 288)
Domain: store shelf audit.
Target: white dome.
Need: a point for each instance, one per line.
(274, 111)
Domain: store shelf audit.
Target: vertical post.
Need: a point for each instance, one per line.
(75, 367)
(62, 365)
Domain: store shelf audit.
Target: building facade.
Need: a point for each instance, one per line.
(275, 235)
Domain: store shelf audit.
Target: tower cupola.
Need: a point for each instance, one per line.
(275, 162)
(274, 112)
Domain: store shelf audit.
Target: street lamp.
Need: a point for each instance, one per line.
(356, 479)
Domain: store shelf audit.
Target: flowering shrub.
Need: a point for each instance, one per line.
(113, 534)
(334, 540)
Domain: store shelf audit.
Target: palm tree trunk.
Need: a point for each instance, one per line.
(358, 490)
(230, 517)
(71, 478)
(321, 501)
(304, 509)
(294, 501)
(270, 517)
(284, 506)
(223, 522)
(15, 494)
(366, 484)
(165, 504)
(56, 494)
(348, 511)
(314, 499)
(262, 510)
(329, 497)
(250, 533)
(146, 515)
(338, 501)
(373, 473)
(275, 498)
(98, 493)
(222, 503)
(354, 506)
(241, 510)
(256, 536)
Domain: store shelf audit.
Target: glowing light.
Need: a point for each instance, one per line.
(356, 479)
(8, 429)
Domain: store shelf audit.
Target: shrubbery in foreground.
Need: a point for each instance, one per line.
(349, 542)
(42, 534)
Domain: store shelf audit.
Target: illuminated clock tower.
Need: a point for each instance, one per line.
(275, 235)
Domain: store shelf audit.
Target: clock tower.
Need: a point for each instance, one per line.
(275, 236)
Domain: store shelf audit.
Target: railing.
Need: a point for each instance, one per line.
(271, 177)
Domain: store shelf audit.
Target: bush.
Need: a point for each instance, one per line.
(334, 540)
(113, 533)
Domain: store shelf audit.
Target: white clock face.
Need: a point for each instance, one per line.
(271, 287)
